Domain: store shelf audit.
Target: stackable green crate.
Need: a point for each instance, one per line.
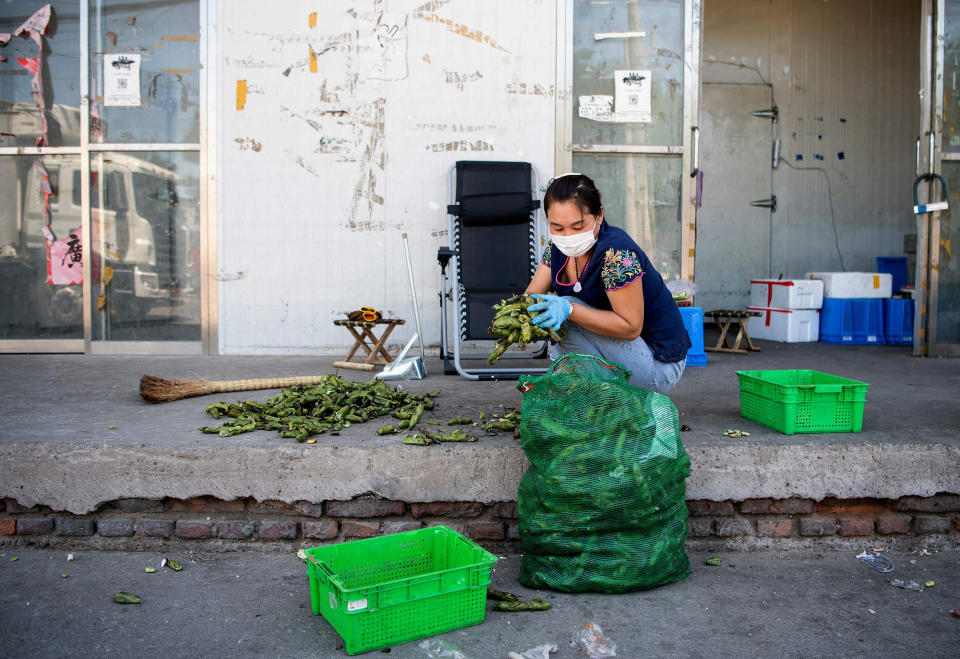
(397, 588)
(793, 401)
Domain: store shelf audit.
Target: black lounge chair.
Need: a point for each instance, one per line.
(495, 246)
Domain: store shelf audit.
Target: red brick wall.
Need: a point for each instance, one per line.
(204, 519)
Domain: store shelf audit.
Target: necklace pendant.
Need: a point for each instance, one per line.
(577, 287)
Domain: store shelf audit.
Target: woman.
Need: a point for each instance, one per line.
(615, 302)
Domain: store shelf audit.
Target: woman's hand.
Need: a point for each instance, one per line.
(555, 311)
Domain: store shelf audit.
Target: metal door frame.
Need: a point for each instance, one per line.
(930, 151)
(207, 164)
(688, 151)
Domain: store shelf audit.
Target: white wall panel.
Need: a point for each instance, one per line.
(321, 172)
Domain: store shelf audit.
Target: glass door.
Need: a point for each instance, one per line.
(629, 122)
(41, 265)
(943, 318)
(143, 137)
(100, 148)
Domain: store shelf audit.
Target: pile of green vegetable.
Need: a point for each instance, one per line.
(513, 324)
(302, 411)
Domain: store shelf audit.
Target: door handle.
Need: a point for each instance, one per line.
(918, 155)
(695, 133)
(770, 203)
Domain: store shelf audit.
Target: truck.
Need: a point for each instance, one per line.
(142, 243)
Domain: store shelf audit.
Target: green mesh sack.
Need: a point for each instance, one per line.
(603, 504)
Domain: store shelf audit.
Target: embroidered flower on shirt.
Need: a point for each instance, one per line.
(545, 259)
(620, 267)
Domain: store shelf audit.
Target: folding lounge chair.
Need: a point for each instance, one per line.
(495, 246)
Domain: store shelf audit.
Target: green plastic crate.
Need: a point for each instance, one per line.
(397, 588)
(793, 401)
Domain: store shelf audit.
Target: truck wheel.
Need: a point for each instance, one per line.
(66, 305)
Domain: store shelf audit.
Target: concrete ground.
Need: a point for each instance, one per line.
(757, 604)
(75, 434)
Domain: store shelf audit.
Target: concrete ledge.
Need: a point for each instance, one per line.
(77, 434)
(77, 478)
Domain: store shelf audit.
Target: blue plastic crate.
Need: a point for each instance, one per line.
(898, 321)
(896, 266)
(852, 320)
(693, 321)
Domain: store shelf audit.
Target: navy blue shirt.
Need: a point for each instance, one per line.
(616, 261)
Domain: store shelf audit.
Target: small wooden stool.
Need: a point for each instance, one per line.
(724, 318)
(375, 348)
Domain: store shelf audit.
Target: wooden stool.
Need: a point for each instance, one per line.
(375, 348)
(724, 318)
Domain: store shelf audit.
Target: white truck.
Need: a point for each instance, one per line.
(137, 230)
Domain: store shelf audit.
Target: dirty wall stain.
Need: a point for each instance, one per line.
(458, 79)
(425, 13)
(460, 145)
(535, 89)
(455, 128)
(248, 144)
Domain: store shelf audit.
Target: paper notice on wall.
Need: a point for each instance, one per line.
(632, 96)
(121, 80)
(596, 108)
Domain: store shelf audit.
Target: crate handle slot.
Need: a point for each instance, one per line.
(323, 566)
(807, 392)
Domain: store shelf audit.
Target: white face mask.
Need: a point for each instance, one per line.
(576, 245)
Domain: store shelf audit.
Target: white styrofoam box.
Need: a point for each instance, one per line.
(785, 325)
(786, 293)
(855, 284)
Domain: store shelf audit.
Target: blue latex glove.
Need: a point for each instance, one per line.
(555, 310)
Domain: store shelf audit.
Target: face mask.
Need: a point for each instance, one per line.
(576, 245)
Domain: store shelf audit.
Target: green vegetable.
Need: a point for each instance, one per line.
(501, 425)
(426, 437)
(387, 430)
(303, 411)
(459, 421)
(126, 598)
(173, 565)
(512, 323)
(501, 596)
(533, 605)
(13, 559)
(149, 570)
(64, 575)
(716, 561)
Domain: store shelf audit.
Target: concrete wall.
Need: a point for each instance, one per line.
(353, 113)
(845, 77)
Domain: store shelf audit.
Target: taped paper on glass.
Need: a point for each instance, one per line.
(632, 101)
(64, 258)
(35, 27)
(596, 108)
(121, 80)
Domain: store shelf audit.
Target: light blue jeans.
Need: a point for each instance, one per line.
(634, 355)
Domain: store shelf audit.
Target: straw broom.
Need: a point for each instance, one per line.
(158, 390)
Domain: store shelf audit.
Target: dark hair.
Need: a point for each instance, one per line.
(578, 188)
